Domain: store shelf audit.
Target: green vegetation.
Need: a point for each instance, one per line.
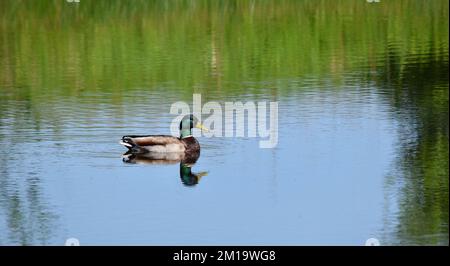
(54, 47)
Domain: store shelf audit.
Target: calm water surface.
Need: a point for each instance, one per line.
(362, 90)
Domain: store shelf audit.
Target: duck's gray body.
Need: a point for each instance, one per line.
(163, 147)
(154, 143)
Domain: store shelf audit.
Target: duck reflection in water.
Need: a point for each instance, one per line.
(187, 177)
(162, 149)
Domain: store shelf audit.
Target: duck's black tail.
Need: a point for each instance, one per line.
(127, 141)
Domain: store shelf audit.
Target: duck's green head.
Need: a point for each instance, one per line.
(188, 123)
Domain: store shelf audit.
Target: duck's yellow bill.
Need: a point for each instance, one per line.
(202, 127)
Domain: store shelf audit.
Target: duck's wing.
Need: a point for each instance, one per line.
(142, 141)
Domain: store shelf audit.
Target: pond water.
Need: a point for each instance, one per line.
(362, 92)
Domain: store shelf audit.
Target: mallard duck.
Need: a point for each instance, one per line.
(161, 146)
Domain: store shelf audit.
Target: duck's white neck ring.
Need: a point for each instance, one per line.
(188, 136)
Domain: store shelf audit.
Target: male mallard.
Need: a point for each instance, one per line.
(162, 145)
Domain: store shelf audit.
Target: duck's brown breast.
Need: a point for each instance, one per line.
(191, 144)
(192, 152)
